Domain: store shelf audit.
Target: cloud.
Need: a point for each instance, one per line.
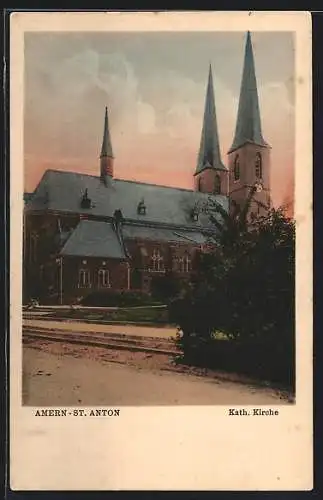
(155, 116)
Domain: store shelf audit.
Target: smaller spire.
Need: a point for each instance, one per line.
(209, 153)
(106, 150)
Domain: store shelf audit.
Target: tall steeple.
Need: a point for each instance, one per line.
(210, 174)
(106, 156)
(209, 154)
(249, 156)
(248, 126)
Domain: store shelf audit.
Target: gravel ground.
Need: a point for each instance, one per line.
(56, 374)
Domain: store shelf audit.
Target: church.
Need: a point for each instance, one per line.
(86, 233)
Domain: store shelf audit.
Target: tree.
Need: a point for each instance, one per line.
(245, 288)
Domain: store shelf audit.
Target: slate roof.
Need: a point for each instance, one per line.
(161, 234)
(248, 126)
(209, 153)
(94, 239)
(62, 191)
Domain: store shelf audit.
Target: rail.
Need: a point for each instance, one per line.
(103, 340)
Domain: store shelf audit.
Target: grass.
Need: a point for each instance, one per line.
(123, 315)
(147, 314)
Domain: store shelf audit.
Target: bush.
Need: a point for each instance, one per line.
(165, 287)
(111, 298)
(270, 362)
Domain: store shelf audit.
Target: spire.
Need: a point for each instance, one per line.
(248, 127)
(106, 150)
(209, 153)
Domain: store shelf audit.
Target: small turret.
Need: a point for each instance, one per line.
(106, 156)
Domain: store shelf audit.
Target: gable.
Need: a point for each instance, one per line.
(93, 239)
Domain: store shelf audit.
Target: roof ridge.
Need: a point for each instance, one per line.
(56, 170)
(124, 180)
(155, 185)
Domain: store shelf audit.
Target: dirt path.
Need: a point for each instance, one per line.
(147, 331)
(57, 374)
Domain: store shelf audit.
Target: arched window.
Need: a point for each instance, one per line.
(103, 278)
(175, 263)
(84, 278)
(236, 168)
(199, 184)
(217, 184)
(258, 166)
(185, 264)
(157, 261)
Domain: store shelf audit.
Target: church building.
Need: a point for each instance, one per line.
(87, 233)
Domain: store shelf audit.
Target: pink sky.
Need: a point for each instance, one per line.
(154, 86)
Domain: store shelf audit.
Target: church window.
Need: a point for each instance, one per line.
(103, 278)
(217, 184)
(236, 169)
(157, 261)
(175, 263)
(200, 184)
(258, 166)
(185, 264)
(84, 278)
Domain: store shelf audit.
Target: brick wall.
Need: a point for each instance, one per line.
(205, 181)
(72, 267)
(240, 189)
(44, 279)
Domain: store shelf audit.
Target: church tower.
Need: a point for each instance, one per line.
(106, 156)
(211, 176)
(249, 155)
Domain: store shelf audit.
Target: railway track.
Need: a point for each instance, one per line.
(103, 340)
(101, 319)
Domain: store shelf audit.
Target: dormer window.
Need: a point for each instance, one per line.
(85, 201)
(194, 214)
(141, 209)
(118, 217)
